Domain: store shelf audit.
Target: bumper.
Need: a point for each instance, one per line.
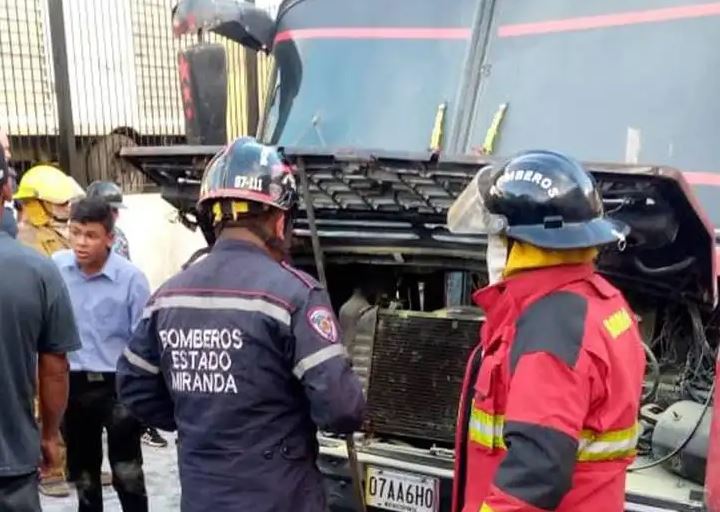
(646, 492)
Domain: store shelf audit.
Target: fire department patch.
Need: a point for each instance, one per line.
(322, 320)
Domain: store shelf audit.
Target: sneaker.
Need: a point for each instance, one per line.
(152, 437)
(54, 487)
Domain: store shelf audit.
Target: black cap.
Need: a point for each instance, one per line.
(108, 191)
(549, 200)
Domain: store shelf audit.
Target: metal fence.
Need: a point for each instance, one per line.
(112, 82)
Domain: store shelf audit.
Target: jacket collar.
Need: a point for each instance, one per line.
(509, 293)
(232, 244)
(111, 268)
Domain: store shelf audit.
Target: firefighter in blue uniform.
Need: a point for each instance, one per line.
(241, 353)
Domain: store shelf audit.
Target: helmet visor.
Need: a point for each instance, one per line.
(468, 214)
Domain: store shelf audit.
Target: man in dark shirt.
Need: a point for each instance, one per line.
(37, 329)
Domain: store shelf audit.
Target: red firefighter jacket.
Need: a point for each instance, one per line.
(549, 419)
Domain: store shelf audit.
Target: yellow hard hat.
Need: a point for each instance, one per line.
(48, 183)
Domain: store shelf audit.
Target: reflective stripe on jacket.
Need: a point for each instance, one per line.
(549, 419)
(243, 356)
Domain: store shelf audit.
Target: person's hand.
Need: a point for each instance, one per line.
(50, 446)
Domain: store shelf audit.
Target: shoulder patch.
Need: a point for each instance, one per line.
(554, 324)
(322, 321)
(306, 279)
(618, 322)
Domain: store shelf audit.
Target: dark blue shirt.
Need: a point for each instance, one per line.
(35, 317)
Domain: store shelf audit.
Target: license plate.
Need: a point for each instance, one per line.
(405, 492)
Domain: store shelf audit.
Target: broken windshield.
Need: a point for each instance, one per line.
(632, 83)
(378, 83)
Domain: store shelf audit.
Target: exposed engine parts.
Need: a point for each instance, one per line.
(677, 397)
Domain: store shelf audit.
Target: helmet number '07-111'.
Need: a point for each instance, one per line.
(248, 182)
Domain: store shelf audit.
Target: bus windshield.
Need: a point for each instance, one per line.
(375, 77)
(636, 83)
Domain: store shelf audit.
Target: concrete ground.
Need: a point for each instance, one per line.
(161, 479)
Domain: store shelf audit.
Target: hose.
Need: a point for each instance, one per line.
(661, 271)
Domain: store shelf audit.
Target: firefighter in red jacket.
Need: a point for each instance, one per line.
(548, 413)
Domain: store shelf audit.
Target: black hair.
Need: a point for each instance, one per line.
(93, 209)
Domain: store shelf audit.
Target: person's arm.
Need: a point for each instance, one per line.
(58, 336)
(548, 400)
(138, 297)
(53, 395)
(121, 244)
(320, 363)
(140, 382)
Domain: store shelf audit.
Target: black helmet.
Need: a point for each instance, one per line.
(108, 191)
(249, 171)
(544, 198)
(245, 178)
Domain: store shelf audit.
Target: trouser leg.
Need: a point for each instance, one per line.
(83, 428)
(125, 454)
(19, 493)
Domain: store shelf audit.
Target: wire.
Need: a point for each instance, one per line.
(654, 375)
(682, 445)
(700, 340)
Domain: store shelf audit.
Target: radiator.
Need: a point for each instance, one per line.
(416, 366)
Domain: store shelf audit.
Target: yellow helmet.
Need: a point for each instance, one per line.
(48, 183)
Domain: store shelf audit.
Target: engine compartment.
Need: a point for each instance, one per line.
(392, 268)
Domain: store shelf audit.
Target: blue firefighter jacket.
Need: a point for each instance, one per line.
(242, 356)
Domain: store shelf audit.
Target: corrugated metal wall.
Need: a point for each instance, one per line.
(122, 77)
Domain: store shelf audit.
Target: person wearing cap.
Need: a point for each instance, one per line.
(37, 331)
(112, 193)
(45, 193)
(240, 352)
(549, 405)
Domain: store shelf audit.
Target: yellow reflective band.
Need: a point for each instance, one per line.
(217, 212)
(486, 429)
(239, 207)
(486, 508)
(236, 208)
(611, 445)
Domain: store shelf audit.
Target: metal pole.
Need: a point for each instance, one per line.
(66, 135)
(320, 265)
(252, 97)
